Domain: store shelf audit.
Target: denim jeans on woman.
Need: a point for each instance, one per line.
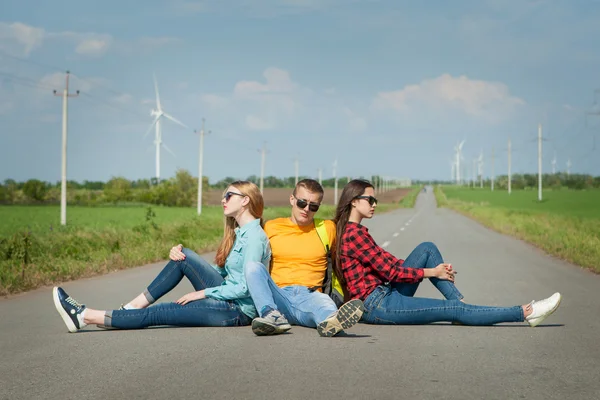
(206, 312)
(393, 303)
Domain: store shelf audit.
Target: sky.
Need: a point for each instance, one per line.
(384, 87)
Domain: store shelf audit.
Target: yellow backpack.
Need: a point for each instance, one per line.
(331, 284)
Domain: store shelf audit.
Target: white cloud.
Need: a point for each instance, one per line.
(19, 39)
(93, 47)
(277, 81)
(257, 123)
(271, 102)
(214, 101)
(477, 98)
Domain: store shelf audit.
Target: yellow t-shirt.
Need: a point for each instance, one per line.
(298, 255)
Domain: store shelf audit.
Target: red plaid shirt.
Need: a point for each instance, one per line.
(366, 265)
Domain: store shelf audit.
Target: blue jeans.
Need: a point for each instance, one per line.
(387, 306)
(299, 305)
(206, 312)
(394, 303)
(427, 255)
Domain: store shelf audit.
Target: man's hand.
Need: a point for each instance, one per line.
(442, 271)
(176, 253)
(191, 297)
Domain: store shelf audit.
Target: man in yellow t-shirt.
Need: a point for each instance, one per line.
(298, 266)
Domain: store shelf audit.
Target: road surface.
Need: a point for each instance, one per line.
(558, 360)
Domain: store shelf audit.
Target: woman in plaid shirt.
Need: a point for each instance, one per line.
(387, 284)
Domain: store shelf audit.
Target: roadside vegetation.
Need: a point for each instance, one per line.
(565, 224)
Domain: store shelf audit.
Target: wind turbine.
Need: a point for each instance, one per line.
(158, 113)
(453, 173)
(554, 164)
(459, 156)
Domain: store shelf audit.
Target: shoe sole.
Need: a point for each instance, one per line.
(535, 322)
(348, 315)
(107, 328)
(260, 328)
(66, 318)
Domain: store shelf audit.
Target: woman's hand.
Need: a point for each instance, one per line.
(191, 297)
(444, 272)
(176, 253)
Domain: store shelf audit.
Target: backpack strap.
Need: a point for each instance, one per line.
(322, 233)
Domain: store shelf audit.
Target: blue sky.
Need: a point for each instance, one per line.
(386, 87)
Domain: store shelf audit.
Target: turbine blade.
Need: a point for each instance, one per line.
(157, 96)
(152, 125)
(176, 121)
(169, 150)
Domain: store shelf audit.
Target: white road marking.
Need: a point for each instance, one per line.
(395, 234)
(385, 244)
(402, 228)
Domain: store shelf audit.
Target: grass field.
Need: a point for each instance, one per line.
(566, 223)
(36, 250)
(576, 203)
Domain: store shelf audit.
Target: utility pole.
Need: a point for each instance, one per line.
(480, 170)
(539, 162)
(493, 157)
(200, 160)
(509, 173)
(263, 152)
(296, 167)
(63, 187)
(335, 183)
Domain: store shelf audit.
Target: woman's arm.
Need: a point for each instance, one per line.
(388, 266)
(235, 286)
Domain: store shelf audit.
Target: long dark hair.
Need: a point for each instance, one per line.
(354, 188)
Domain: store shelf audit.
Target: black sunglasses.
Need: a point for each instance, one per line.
(228, 195)
(372, 200)
(314, 207)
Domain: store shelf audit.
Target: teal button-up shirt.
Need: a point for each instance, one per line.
(251, 244)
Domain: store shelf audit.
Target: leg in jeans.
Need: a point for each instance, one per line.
(296, 303)
(427, 255)
(200, 273)
(388, 307)
(307, 308)
(206, 312)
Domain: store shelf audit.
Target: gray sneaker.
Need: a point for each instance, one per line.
(273, 323)
(109, 327)
(348, 315)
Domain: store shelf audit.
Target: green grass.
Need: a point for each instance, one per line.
(565, 224)
(36, 250)
(575, 203)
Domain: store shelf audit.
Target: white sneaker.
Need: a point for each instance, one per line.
(543, 308)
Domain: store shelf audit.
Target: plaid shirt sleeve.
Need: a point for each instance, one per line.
(365, 264)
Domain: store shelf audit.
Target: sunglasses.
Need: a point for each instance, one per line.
(228, 195)
(372, 200)
(313, 207)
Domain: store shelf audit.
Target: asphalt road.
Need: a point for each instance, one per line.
(560, 359)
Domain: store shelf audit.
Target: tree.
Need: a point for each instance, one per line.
(186, 188)
(117, 189)
(35, 189)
